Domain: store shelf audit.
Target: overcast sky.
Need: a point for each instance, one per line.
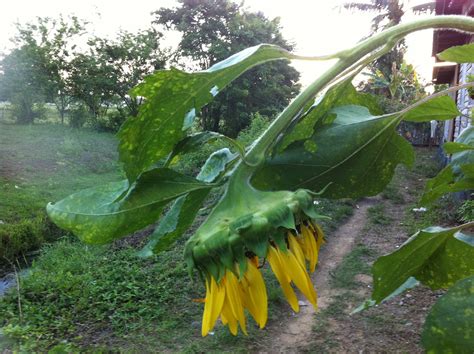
(316, 26)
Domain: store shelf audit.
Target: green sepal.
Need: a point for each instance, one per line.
(246, 220)
(279, 237)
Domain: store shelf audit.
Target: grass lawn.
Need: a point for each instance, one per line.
(43, 163)
(80, 297)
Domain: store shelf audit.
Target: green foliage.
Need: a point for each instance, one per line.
(448, 327)
(345, 150)
(437, 257)
(320, 112)
(439, 108)
(388, 13)
(73, 290)
(377, 215)
(101, 214)
(466, 211)
(129, 58)
(356, 262)
(55, 40)
(213, 30)
(458, 54)
(42, 163)
(458, 175)
(78, 116)
(25, 235)
(20, 82)
(156, 130)
(361, 164)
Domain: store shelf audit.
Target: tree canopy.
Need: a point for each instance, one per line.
(211, 31)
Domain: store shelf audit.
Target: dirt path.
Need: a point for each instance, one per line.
(378, 226)
(298, 330)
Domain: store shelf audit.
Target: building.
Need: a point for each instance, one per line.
(451, 73)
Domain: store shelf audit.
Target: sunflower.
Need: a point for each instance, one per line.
(243, 288)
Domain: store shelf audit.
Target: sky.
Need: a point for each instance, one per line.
(317, 27)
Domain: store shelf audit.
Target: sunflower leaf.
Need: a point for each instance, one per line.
(101, 214)
(319, 113)
(356, 155)
(458, 175)
(449, 325)
(458, 54)
(439, 108)
(437, 257)
(182, 213)
(156, 130)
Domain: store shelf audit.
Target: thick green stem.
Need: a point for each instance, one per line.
(257, 153)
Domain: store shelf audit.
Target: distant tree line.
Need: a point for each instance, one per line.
(87, 78)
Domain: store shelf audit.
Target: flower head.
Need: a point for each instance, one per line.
(280, 231)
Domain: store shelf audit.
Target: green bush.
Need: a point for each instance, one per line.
(26, 112)
(110, 122)
(25, 235)
(78, 116)
(466, 211)
(192, 162)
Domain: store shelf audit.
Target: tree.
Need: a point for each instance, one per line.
(56, 39)
(92, 82)
(211, 31)
(21, 81)
(129, 58)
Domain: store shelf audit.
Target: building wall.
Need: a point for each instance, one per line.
(464, 101)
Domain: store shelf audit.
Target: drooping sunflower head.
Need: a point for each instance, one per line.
(277, 226)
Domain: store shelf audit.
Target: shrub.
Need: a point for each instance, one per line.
(110, 122)
(466, 211)
(78, 116)
(26, 235)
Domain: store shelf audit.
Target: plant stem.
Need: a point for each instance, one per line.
(258, 151)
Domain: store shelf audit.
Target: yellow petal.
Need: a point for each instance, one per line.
(300, 277)
(257, 300)
(228, 318)
(215, 294)
(320, 234)
(295, 248)
(282, 276)
(233, 297)
(310, 242)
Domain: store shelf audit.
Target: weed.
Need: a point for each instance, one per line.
(356, 262)
(392, 192)
(466, 211)
(337, 210)
(377, 216)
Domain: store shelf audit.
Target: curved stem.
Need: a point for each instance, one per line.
(257, 153)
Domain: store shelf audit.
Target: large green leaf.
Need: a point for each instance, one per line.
(319, 113)
(438, 108)
(452, 147)
(356, 154)
(184, 209)
(458, 175)
(101, 214)
(172, 100)
(449, 327)
(458, 54)
(447, 182)
(175, 223)
(436, 256)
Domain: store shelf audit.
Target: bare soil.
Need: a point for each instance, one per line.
(298, 329)
(393, 326)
